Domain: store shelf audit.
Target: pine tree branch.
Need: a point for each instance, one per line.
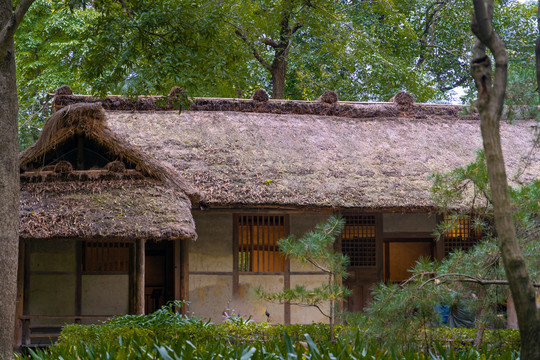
(466, 278)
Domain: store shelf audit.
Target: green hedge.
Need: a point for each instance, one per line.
(166, 334)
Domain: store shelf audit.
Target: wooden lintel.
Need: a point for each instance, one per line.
(408, 235)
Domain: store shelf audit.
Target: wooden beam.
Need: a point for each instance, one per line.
(19, 307)
(78, 282)
(184, 273)
(138, 299)
(287, 277)
(409, 235)
(177, 269)
(379, 238)
(235, 249)
(439, 245)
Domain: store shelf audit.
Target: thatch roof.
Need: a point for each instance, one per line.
(297, 153)
(118, 209)
(89, 119)
(147, 200)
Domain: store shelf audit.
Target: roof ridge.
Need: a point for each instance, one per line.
(348, 109)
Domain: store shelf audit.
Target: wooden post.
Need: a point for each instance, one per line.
(439, 245)
(20, 297)
(184, 273)
(287, 278)
(177, 269)
(138, 299)
(27, 340)
(78, 276)
(379, 240)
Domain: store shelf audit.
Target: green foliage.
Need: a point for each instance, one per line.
(48, 46)
(134, 337)
(470, 181)
(499, 340)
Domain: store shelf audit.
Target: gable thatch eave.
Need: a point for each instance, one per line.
(88, 119)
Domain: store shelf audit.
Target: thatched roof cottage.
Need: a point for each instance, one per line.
(269, 168)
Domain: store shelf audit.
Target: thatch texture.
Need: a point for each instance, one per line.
(89, 119)
(253, 159)
(98, 209)
(260, 105)
(149, 201)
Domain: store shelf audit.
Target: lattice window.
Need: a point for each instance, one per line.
(460, 233)
(358, 240)
(105, 257)
(257, 238)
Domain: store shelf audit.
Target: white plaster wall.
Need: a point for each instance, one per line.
(105, 294)
(209, 295)
(52, 295)
(299, 225)
(52, 255)
(213, 249)
(48, 293)
(308, 315)
(409, 222)
(247, 303)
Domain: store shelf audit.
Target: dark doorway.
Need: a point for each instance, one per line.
(159, 275)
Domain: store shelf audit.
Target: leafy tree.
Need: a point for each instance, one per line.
(316, 248)
(491, 85)
(138, 47)
(357, 48)
(48, 47)
(10, 18)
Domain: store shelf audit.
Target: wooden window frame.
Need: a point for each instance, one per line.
(454, 238)
(369, 243)
(265, 221)
(105, 257)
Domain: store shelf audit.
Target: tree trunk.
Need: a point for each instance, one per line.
(9, 191)
(490, 105)
(537, 50)
(279, 70)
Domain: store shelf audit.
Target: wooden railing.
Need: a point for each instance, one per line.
(48, 327)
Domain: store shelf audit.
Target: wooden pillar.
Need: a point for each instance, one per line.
(177, 269)
(439, 245)
(184, 273)
(78, 276)
(138, 296)
(20, 297)
(379, 250)
(287, 278)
